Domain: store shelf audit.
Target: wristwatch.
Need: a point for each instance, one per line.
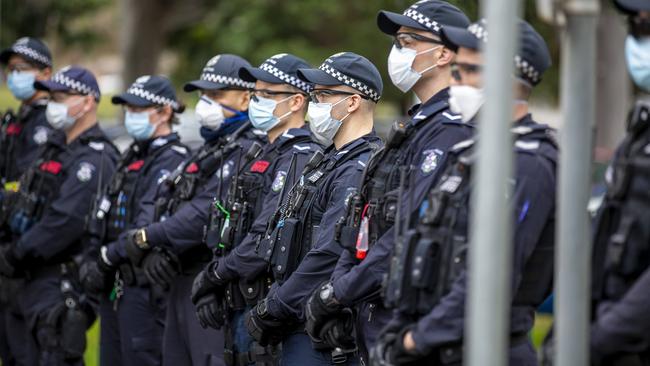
(140, 239)
(326, 295)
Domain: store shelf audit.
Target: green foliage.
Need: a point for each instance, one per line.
(65, 18)
(312, 29)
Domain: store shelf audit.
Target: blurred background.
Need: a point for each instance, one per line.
(122, 39)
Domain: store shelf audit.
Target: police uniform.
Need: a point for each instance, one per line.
(300, 244)
(183, 205)
(428, 267)
(252, 199)
(132, 314)
(401, 174)
(21, 138)
(55, 194)
(620, 332)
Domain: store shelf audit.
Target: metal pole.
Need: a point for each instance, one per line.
(573, 241)
(490, 255)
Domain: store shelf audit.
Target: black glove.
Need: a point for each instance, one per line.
(263, 327)
(97, 275)
(8, 262)
(206, 282)
(210, 310)
(390, 350)
(321, 307)
(338, 332)
(161, 267)
(134, 251)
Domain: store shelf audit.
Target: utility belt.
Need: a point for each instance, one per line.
(242, 294)
(256, 355)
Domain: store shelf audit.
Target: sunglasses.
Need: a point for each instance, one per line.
(319, 94)
(403, 39)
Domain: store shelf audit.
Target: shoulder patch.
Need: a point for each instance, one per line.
(40, 135)
(431, 160)
(85, 171)
(179, 149)
(452, 117)
(95, 145)
(302, 148)
(527, 145)
(279, 181)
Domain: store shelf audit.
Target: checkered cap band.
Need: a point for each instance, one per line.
(424, 20)
(289, 79)
(526, 70)
(153, 98)
(479, 31)
(363, 88)
(61, 78)
(228, 80)
(31, 53)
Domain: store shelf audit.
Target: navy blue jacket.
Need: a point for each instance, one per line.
(62, 225)
(158, 169)
(286, 301)
(427, 152)
(243, 261)
(184, 229)
(533, 217)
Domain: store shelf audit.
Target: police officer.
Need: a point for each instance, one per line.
(402, 173)
(301, 247)
(237, 279)
(429, 263)
(620, 332)
(55, 193)
(171, 250)
(132, 317)
(26, 61)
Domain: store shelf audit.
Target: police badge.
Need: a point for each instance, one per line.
(431, 160)
(278, 182)
(85, 171)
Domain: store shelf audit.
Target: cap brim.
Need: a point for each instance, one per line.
(204, 85)
(5, 55)
(630, 6)
(130, 99)
(253, 74)
(50, 86)
(389, 22)
(317, 76)
(455, 37)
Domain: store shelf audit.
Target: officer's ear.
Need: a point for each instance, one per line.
(89, 103)
(44, 73)
(354, 103)
(297, 102)
(447, 56)
(244, 99)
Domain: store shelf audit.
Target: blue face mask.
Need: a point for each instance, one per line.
(21, 84)
(260, 112)
(138, 126)
(637, 55)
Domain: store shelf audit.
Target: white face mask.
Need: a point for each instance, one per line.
(209, 113)
(321, 123)
(57, 115)
(465, 100)
(400, 67)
